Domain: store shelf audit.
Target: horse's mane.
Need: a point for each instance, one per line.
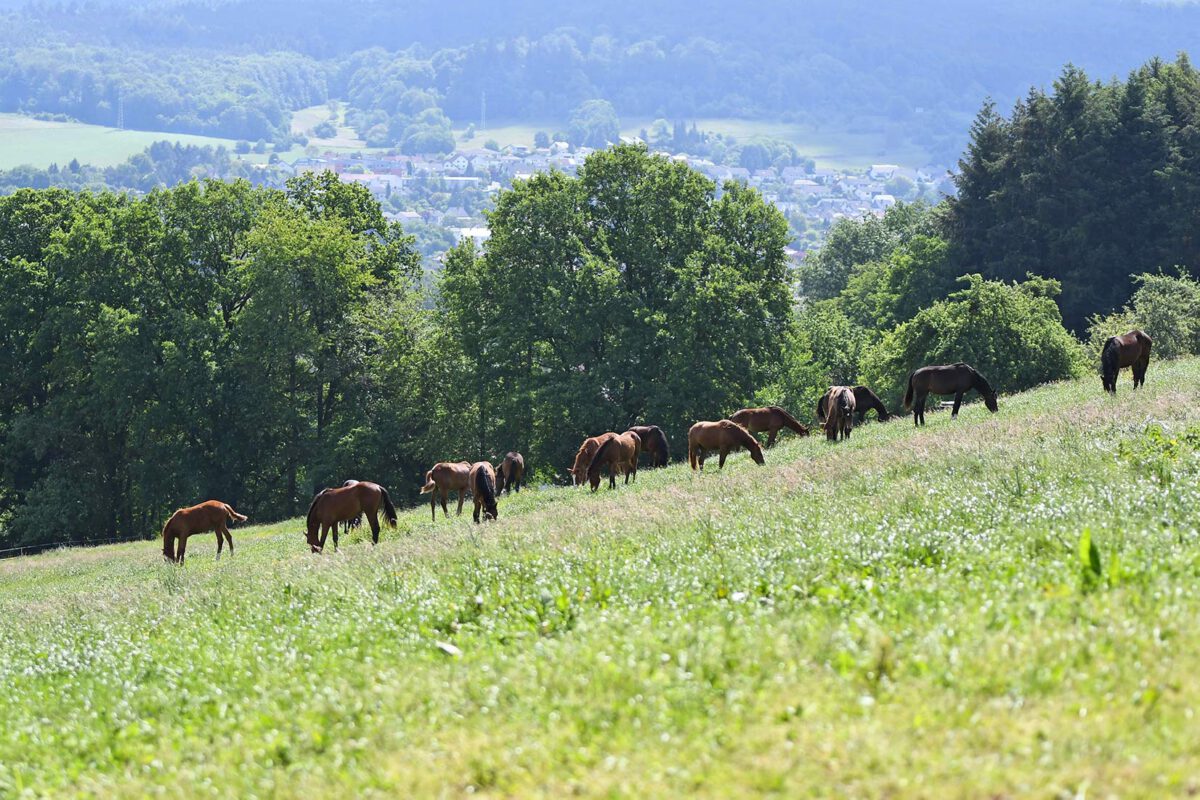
(746, 438)
(873, 400)
(978, 380)
(791, 421)
(1110, 356)
(312, 508)
(598, 460)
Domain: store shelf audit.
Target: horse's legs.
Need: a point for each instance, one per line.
(475, 513)
(182, 540)
(957, 402)
(433, 496)
(228, 540)
(324, 535)
(335, 537)
(919, 408)
(373, 518)
(462, 495)
(771, 434)
(612, 476)
(721, 462)
(445, 495)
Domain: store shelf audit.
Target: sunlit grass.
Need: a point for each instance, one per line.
(904, 614)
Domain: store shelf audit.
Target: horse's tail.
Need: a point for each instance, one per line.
(233, 515)
(389, 510)
(908, 394)
(598, 459)
(429, 484)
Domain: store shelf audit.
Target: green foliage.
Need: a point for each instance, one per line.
(1011, 333)
(1165, 307)
(1090, 185)
(1161, 454)
(594, 124)
(628, 294)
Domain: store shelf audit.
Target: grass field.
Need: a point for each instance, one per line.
(907, 614)
(24, 140)
(828, 147)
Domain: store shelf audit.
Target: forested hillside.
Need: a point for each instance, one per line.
(237, 68)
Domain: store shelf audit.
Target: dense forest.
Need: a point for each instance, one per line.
(237, 69)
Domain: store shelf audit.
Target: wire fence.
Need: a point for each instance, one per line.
(34, 549)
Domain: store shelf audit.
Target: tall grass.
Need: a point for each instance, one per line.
(908, 613)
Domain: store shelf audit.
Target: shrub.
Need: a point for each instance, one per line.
(1165, 307)
(1012, 333)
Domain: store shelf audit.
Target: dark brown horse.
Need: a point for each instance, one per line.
(619, 454)
(211, 515)
(839, 408)
(482, 481)
(654, 444)
(332, 506)
(1130, 350)
(770, 419)
(511, 472)
(864, 400)
(444, 478)
(724, 436)
(583, 458)
(955, 379)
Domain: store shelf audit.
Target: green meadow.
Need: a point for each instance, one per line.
(39, 143)
(999, 605)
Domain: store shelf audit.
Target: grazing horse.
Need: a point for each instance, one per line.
(769, 419)
(583, 458)
(210, 515)
(1130, 350)
(654, 444)
(332, 506)
(864, 400)
(511, 472)
(446, 477)
(725, 437)
(839, 408)
(482, 480)
(955, 379)
(619, 454)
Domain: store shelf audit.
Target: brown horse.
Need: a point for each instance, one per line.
(583, 458)
(654, 444)
(769, 419)
(210, 515)
(444, 478)
(619, 454)
(1130, 350)
(332, 506)
(725, 437)
(511, 472)
(482, 481)
(864, 400)
(839, 407)
(955, 379)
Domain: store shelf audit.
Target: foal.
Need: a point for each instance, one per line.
(210, 515)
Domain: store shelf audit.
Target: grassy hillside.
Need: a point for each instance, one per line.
(906, 614)
(24, 140)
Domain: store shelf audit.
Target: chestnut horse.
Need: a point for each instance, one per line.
(1130, 350)
(769, 419)
(210, 515)
(619, 454)
(654, 444)
(724, 436)
(444, 478)
(839, 408)
(956, 379)
(510, 473)
(482, 481)
(332, 506)
(583, 458)
(864, 400)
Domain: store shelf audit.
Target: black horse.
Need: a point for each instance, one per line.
(1130, 350)
(955, 379)
(864, 401)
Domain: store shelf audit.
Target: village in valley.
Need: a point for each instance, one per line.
(450, 193)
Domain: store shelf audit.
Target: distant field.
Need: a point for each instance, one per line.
(305, 119)
(829, 147)
(29, 141)
(1002, 605)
